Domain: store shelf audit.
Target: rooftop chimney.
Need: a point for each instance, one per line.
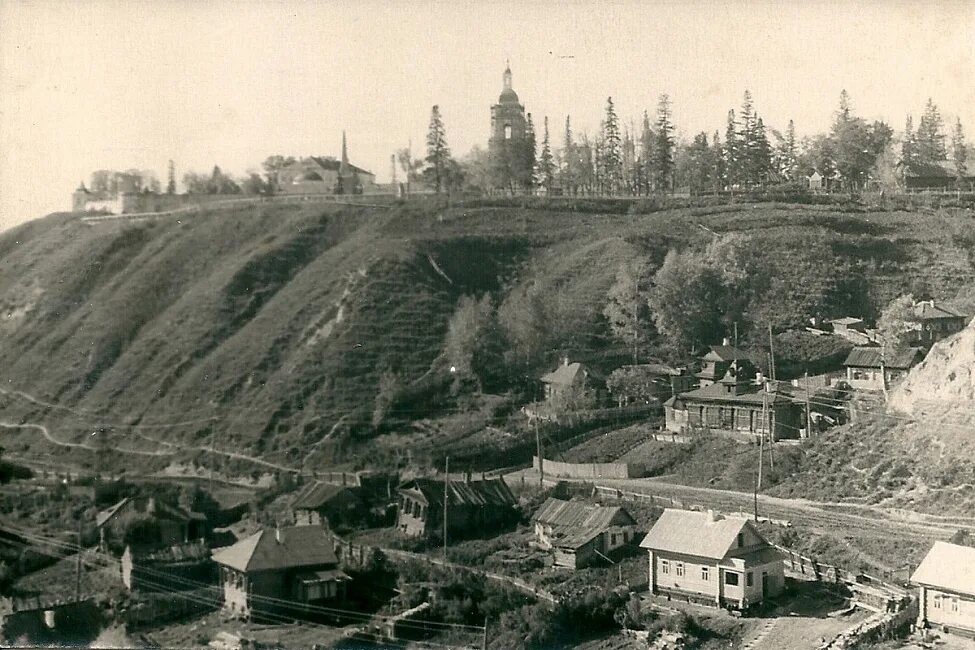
(565, 360)
(277, 533)
(726, 341)
(713, 516)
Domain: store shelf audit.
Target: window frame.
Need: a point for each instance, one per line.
(728, 579)
(706, 573)
(665, 566)
(679, 569)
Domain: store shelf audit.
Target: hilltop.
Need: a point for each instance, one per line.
(270, 330)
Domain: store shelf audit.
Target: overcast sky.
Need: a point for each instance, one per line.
(118, 84)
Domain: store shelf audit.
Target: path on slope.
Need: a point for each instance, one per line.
(825, 517)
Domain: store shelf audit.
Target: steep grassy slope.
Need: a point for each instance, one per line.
(266, 330)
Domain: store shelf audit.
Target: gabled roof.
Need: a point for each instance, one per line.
(717, 393)
(575, 522)
(661, 369)
(695, 533)
(928, 310)
(298, 546)
(895, 359)
(473, 493)
(333, 165)
(318, 494)
(847, 320)
(150, 506)
(948, 566)
(727, 353)
(566, 374)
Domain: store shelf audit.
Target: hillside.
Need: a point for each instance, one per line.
(269, 330)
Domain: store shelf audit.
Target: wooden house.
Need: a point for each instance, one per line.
(935, 322)
(580, 534)
(735, 405)
(471, 505)
(332, 506)
(874, 368)
(720, 358)
(946, 578)
(571, 384)
(174, 568)
(149, 522)
(709, 559)
(280, 571)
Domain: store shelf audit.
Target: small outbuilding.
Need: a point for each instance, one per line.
(580, 534)
(471, 505)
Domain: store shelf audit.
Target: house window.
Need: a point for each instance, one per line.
(954, 605)
(731, 579)
(507, 131)
(936, 603)
(741, 540)
(705, 574)
(664, 566)
(680, 569)
(612, 539)
(748, 579)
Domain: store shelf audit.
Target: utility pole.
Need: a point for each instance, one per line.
(446, 495)
(77, 582)
(761, 451)
(808, 413)
(736, 338)
(770, 415)
(771, 351)
(484, 635)
(883, 369)
(541, 460)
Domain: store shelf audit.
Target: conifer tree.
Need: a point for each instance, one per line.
(663, 167)
(438, 153)
(717, 163)
(647, 149)
(612, 150)
(746, 140)
(528, 155)
(930, 135)
(732, 151)
(171, 182)
(762, 155)
(909, 153)
(546, 166)
(569, 160)
(959, 153)
(845, 111)
(791, 153)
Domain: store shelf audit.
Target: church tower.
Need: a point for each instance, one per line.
(508, 115)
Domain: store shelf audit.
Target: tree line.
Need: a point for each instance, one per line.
(652, 159)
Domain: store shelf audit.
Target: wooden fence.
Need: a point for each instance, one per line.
(590, 470)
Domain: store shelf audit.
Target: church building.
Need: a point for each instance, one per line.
(325, 175)
(509, 132)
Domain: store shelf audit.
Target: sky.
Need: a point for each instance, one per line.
(118, 84)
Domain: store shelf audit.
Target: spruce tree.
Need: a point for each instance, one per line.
(647, 149)
(959, 153)
(718, 175)
(612, 150)
(663, 167)
(791, 152)
(762, 154)
(438, 153)
(569, 160)
(931, 136)
(546, 166)
(747, 140)
(171, 182)
(528, 156)
(845, 111)
(909, 153)
(732, 151)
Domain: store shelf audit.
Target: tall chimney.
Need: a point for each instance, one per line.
(726, 341)
(277, 533)
(565, 360)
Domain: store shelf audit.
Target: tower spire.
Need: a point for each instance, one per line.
(345, 156)
(506, 77)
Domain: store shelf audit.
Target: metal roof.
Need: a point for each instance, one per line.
(275, 549)
(948, 566)
(318, 494)
(574, 523)
(565, 375)
(895, 359)
(474, 493)
(695, 533)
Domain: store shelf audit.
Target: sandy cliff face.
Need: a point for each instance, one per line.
(941, 389)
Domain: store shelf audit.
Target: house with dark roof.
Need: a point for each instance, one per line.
(174, 568)
(935, 322)
(148, 522)
(720, 358)
(280, 571)
(710, 559)
(325, 504)
(325, 175)
(946, 578)
(935, 175)
(572, 385)
(738, 404)
(874, 368)
(580, 534)
(471, 505)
